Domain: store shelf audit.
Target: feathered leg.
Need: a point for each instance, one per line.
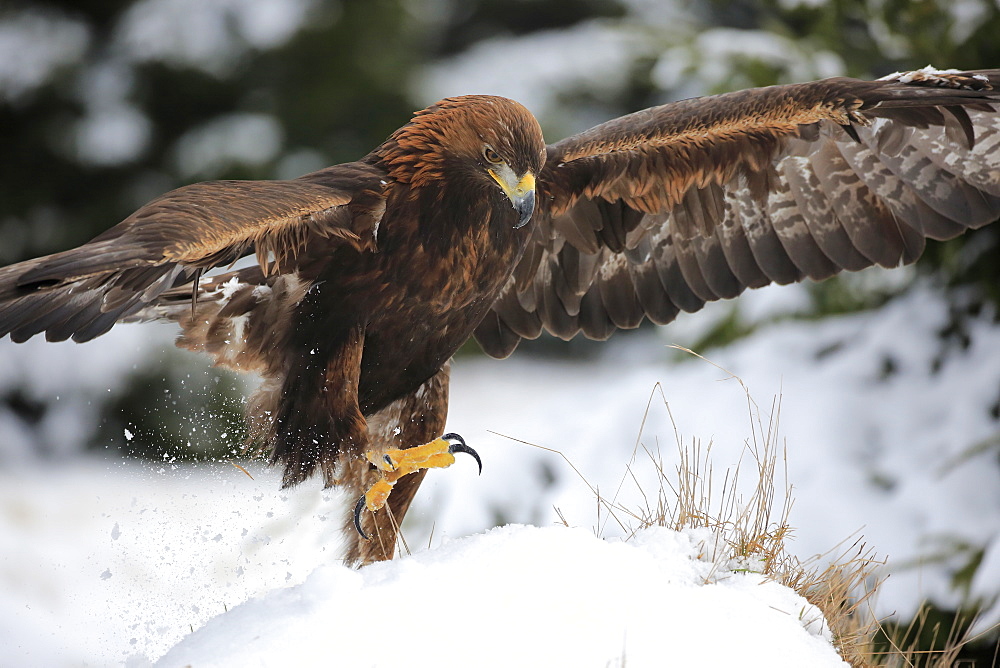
(410, 421)
(307, 418)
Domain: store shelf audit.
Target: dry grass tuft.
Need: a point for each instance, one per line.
(925, 630)
(751, 527)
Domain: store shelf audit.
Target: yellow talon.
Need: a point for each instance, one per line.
(377, 494)
(396, 463)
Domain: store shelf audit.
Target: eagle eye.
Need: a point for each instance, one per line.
(491, 156)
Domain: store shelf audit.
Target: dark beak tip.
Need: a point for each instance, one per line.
(525, 208)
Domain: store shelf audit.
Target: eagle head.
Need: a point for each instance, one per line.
(471, 141)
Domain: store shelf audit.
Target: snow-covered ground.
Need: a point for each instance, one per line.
(526, 596)
(102, 560)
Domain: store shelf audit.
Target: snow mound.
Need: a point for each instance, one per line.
(525, 596)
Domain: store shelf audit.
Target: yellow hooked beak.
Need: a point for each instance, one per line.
(519, 190)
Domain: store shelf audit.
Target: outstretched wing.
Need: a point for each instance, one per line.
(666, 209)
(82, 293)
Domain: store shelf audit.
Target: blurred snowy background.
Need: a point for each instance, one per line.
(122, 526)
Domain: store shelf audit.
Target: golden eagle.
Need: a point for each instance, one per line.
(371, 274)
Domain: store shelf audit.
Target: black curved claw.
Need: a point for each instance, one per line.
(462, 447)
(357, 516)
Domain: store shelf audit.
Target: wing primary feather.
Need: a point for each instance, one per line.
(39, 315)
(579, 226)
(851, 131)
(832, 177)
(194, 290)
(672, 279)
(523, 322)
(715, 267)
(653, 298)
(618, 295)
(766, 249)
(961, 117)
(851, 179)
(733, 241)
(791, 228)
(979, 166)
(594, 320)
(494, 337)
(83, 316)
(959, 203)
